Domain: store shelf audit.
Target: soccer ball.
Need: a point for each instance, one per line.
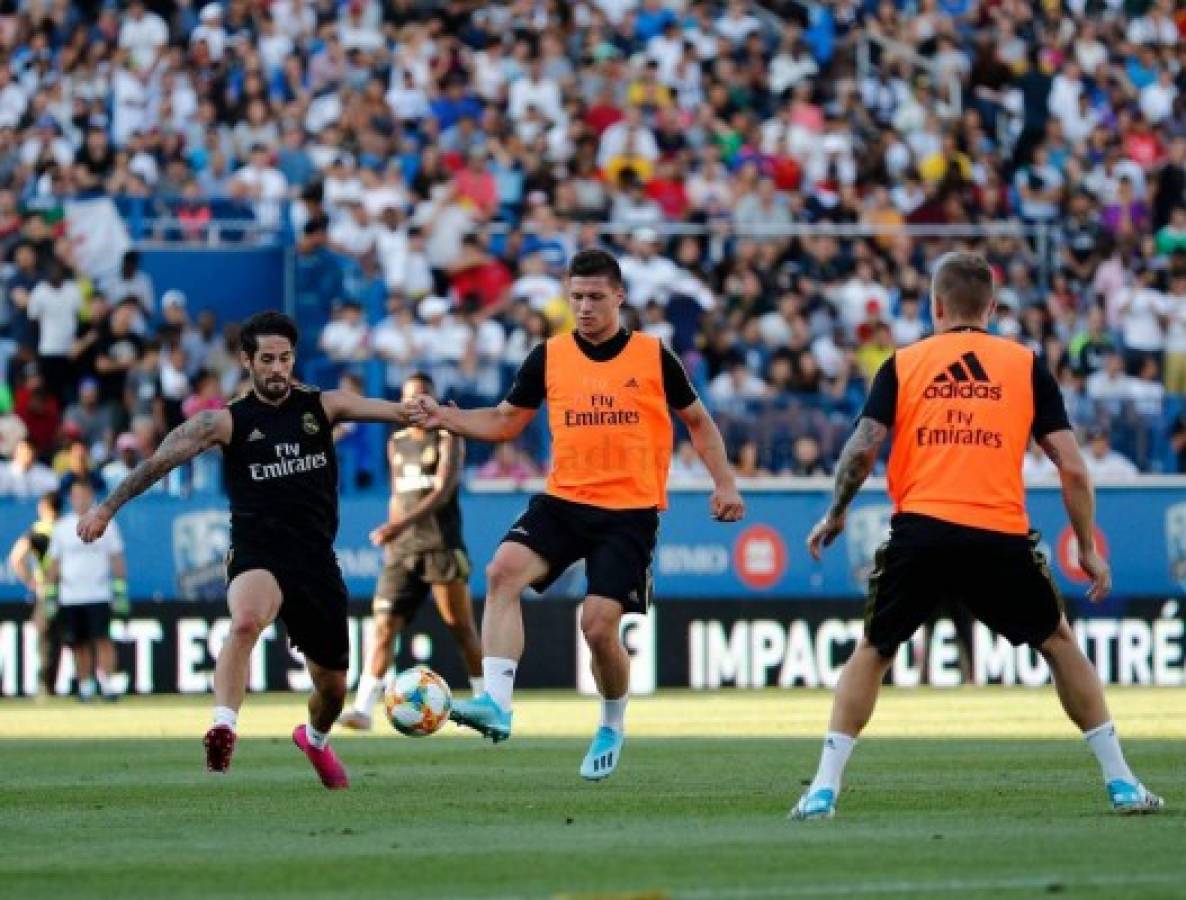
(418, 702)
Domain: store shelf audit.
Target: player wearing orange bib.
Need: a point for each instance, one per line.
(608, 391)
(962, 406)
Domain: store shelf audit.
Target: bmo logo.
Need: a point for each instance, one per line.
(760, 557)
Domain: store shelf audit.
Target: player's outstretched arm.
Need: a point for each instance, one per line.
(489, 423)
(1078, 495)
(343, 406)
(180, 445)
(726, 504)
(856, 462)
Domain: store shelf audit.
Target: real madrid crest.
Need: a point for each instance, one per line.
(309, 423)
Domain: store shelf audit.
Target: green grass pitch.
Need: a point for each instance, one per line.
(970, 793)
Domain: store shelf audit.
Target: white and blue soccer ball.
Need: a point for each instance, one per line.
(418, 702)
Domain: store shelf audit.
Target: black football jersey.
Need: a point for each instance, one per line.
(281, 475)
(415, 459)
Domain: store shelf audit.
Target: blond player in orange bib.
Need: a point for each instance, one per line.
(608, 392)
(962, 406)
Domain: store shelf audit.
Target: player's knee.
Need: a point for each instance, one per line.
(504, 582)
(600, 630)
(247, 626)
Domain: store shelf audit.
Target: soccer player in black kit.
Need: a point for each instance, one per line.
(281, 476)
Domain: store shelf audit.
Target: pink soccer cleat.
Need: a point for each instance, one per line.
(220, 745)
(329, 768)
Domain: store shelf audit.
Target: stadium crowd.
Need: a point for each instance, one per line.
(434, 165)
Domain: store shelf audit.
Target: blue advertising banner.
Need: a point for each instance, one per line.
(176, 547)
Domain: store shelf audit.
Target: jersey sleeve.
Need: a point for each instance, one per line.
(1050, 412)
(676, 385)
(882, 402)
(530, 386)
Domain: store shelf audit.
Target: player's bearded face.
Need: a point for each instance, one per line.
(271, 367)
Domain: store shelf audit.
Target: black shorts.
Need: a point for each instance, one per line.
(313, 602)
(79, 623)
(407, 579)
(616, 545)
(1002, 579)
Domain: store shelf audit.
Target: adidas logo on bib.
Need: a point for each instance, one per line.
(964, 379)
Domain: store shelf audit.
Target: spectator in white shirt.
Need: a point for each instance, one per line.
(393, 339)
(142, 34)
(627, 136)
(1110, 384)
(210, 31)
(736, 382)
(534, 284)
(261, 182)
(793, 63)
(533, 89)
(1157, 99)
(1142, 309)
(55, 304)
(907, 326)
(344, 339)
(737, 24)
(648, 275)
(352, 233)
(859, 296)
(23, 476)
(1103, 463)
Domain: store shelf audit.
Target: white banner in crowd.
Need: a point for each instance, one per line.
(98, 236)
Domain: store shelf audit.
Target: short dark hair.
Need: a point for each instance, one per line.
(594, 263)
(269, 323)
(963, 281)
(424, 378)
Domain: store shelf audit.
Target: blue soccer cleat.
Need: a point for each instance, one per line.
(1130, 798)
(603, 755)
(820, 804)
(484, 716)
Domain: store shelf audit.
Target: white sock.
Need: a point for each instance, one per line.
(832, 760)
(498, 674)
(317, 738)
(104, 682)
(370, 689)
(613, 713)
(224, 715)
(86, 687)
(477, 685)
(1106, 747)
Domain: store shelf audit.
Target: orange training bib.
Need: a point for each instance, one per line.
(961, 427)
(611, 431)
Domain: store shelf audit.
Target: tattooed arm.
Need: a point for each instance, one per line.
(180, 445)
(856, 462)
